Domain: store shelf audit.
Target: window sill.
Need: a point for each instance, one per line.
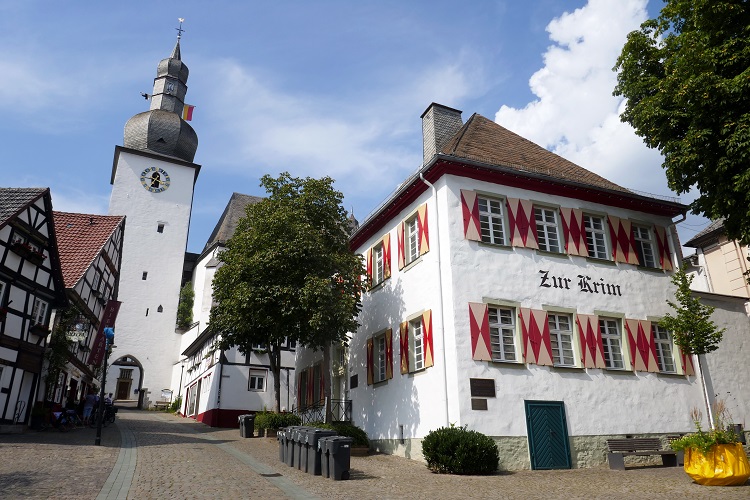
(416, 372)
(411, 264)
(377, 287)
(495, 245)
(552, 254)
(505, 362)
(597, 260)
(650, 269)
(380, 383)
(568, 367)
(671, 374)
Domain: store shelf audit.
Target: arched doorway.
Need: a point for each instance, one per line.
(125, 380)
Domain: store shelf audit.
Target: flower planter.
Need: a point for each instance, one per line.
(39, 330)
(723, 465)
(28, 253)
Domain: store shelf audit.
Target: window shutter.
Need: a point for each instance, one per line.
(470, 210)
(522, 223)
(429, 357)
(424, 233)
(537, 347)
(404, 344)
(687, 362)
(387, 256)
(662, 246)
(310, 386)
(370, 368)
(369, 268)
(389, 353)
(642, 345)
(400, 244)
(299, 389)
(623, 243)
(592, 350)
(479, 326)
(574, 231)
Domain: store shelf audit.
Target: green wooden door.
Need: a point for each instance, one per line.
(548, 434)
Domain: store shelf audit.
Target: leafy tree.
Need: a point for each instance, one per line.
(185, 306)
(288, 273)
(57, 353)
(686, 78)
(691, 326)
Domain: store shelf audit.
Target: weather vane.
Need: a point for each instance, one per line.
(180, 30)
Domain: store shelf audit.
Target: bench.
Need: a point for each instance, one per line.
(642, 447)
(161, 405)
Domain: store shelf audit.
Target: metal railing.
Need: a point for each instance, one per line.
(341, 411)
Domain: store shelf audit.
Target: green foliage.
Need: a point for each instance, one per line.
(176, 405)
(185, 307)
(58, 349)
(456, 450)
(686, 80)
(288, 272)
(271, 420)
(692, 327)
(722, 433)
(358, 436)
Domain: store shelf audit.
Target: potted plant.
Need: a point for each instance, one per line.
(39, 329)
(715, 457)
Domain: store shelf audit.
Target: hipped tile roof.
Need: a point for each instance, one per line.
(80, 238)
(483, 140)
(13, 200)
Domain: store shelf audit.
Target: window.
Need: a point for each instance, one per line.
(416, 341)
(643, 246)
(206, 384)
(2, 291)
(39, 312)
(502, 333)
(144, 275)
(596, 236)
(663, 341)
(378, 268)
(546, 229)
(126, 374)
(291, 343)
(561, 336)
(257, 380)
(610, 331)
(379, 358)
(411, 240)
(491, 221)
(160, 228)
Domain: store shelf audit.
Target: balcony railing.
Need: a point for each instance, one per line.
(341, 411)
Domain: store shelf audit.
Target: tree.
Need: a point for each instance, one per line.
(185, 306)
(693, 330)
(686, 78)
(287, 273)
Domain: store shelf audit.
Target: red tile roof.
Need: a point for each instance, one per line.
(80, 238)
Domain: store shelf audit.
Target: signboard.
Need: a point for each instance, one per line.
(482, 387)
(108, 321)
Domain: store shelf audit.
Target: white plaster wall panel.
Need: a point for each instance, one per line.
(5, 233)
(8, 355)
(12, 261)
(151, 339)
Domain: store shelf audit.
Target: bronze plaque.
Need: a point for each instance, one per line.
(478, 404)
(482, 387)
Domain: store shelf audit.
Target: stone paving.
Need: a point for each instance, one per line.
(155, 455)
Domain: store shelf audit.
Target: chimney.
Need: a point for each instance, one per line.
(439, 124)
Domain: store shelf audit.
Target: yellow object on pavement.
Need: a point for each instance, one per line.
(723, 465)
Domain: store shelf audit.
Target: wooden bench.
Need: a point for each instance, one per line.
(161, 405)
(642, 447)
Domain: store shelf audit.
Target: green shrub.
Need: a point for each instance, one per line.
(722, 433)
(456, 450)
(346, 429)
(271, 420)
(176, 405)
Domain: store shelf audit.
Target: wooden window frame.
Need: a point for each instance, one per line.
(606, 327)
(558, 335)
(500, 332)
(489, 220)
(644, 243)
(665, 350)
(592, 233)
(545, 228)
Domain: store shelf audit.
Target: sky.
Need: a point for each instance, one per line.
(313, 88)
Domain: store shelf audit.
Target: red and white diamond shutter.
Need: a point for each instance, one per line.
(387, 256)
(537, 347)
(389, 353)
(479, 328)
(400, 244)
(574, 231)
(368, 261)
(429, 356)
(662, 247)
(370, 367)
(623, 242)
(522, 224)
(642, 346)
(592, 351)
(423, 228)
(470, 211)
(404, 346)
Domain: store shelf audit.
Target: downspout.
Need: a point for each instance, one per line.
(442, 308)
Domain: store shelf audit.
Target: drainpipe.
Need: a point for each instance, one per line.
(440, 287)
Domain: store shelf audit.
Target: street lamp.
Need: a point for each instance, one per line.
(109, 338)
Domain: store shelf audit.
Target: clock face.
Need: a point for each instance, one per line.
(155, 180)
(170, 87)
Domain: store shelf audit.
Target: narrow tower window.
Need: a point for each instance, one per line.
(160, 228)
(147, 311)
(145, 275)
(160, 309)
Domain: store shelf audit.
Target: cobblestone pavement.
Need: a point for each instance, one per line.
(164, 456)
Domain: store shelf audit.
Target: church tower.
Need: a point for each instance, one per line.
(153, 176)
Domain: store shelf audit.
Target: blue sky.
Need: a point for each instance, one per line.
(314, 88)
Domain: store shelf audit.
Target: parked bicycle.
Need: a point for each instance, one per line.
(109, 415)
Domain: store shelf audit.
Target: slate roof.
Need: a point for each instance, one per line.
(227, 224)
(13, 200)
(483, 140)
(708, 233)
(80, 238)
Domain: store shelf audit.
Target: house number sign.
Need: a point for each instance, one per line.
(582, 283)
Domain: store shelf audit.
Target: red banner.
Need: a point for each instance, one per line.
(108, 320)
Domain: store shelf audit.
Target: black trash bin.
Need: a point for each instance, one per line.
(289, 445)
(298, 435)
(313, 453)
(324, 455)
(247, 422)
(339, 457)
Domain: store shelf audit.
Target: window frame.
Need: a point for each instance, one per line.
(2, 293)
(504, 331)
(379, 359)
(411, 240)
(38, 318)
(664, 347)
(491, 219)
(590, 236)
(416, 340)
(544, 229)
(641, 243)
(378, 265)
(607, 338)
(253, 376)
(559, 358)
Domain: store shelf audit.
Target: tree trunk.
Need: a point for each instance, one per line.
(326, 374)
(274, 359)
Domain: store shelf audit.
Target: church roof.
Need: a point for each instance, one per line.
(227, 224)
(483, 140)
(80, 238)
(13, 200)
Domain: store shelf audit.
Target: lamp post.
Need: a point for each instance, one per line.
(109, 337)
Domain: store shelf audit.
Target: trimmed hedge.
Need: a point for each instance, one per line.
(456, 450)
(270, 420)
(345, 429)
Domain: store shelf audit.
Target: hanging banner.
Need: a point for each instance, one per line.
(108, 320)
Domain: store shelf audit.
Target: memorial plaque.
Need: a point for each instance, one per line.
(482, 387)
(353, 381)
(478, 404)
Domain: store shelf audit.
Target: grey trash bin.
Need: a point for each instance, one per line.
(298, 435)
(289, 445)
(313, 453)
(281, 437)
(247, 422)
(324, 455)
(339, 457)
